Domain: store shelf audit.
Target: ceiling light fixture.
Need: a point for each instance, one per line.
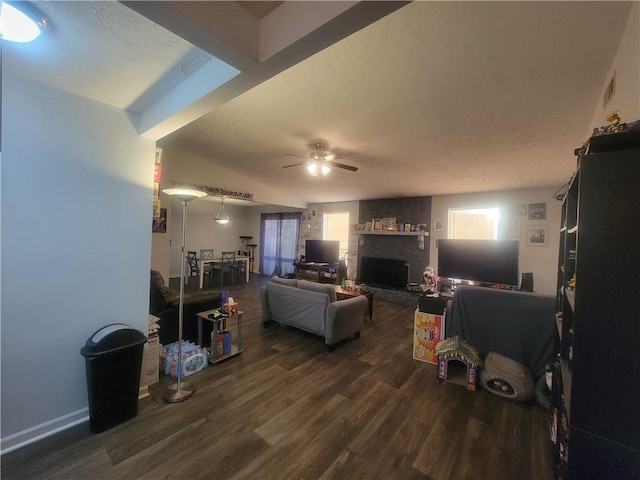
(20, 22)
(222, 216)
(316, 167)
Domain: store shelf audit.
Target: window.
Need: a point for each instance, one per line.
(474, 223)
(336, 227)
(279, 233)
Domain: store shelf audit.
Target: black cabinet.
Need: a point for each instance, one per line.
(596, 397)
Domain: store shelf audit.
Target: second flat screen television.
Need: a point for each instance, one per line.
(322, 251)
(485, 261)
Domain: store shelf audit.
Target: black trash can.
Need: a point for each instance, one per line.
(113, 359)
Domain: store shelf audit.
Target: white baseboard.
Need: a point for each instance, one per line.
(143, 392)
(38, 432)
(44, 430)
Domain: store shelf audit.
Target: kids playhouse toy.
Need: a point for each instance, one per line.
(452, 351)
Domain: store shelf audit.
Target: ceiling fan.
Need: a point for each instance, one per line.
(320, 161)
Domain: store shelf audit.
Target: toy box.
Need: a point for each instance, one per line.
(428, 331)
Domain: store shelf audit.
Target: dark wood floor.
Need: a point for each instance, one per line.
(285, 408)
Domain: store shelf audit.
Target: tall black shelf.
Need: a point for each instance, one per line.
(596, 389)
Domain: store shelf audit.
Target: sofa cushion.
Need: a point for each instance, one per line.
(326, 288)
(289, 282)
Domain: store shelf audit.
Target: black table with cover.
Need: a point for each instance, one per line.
(519, 325)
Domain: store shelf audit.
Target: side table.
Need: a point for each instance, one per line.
(220, 324)
(342, 294)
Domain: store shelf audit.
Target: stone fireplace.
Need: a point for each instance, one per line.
(414, 210)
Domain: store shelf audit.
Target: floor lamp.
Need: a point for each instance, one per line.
(181, 390)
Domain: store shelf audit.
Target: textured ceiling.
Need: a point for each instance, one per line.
(434, 98)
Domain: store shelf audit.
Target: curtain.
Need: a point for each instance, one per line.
(279, 233)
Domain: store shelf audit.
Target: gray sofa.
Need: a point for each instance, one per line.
(312, 307)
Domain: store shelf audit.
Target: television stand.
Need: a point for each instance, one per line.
(446, 287)
(320, 272)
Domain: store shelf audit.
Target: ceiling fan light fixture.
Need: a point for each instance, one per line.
(325, 169)
(312, 168)
(222, 217)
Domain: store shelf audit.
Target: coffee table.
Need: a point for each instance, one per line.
(342, 294)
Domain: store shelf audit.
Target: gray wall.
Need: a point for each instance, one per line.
(76, 243)
(412, 210)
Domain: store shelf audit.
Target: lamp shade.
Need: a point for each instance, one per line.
(19, 22)
(318, 166)
(184, 194)
(222, 216)
(312, 168)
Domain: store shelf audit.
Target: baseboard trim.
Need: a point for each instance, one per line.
(143, 392)
(46, 429)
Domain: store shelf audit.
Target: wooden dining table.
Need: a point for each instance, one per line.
(202, 262)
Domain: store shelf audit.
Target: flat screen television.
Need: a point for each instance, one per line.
(484, 261)
(322, 251)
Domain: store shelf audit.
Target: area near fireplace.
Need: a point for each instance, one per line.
(414, 210)
(384, 272)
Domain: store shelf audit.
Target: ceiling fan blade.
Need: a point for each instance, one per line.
(294, 155)
(295, 165)
(342, 165)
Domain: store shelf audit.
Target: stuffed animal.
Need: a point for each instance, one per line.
(430, 280)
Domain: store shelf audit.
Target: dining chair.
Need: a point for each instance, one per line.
(208, 267)
(228, 265)
(241, 264)
(192, 261)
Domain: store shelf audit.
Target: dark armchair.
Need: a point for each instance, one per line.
(164, 303)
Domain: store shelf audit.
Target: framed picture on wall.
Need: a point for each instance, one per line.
(537, 211)
(438, 225)
(538, 235)
(160, 222)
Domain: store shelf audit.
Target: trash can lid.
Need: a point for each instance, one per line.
(113, 337)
